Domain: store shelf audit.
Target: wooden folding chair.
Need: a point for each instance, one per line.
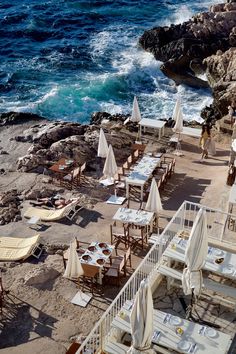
(118, 267)
(90, 276)
(119, 235)
(135, 155)
(139, 147)
(137, 237)
(73, 177)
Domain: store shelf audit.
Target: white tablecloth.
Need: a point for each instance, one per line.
(205, 339)
(227, 268)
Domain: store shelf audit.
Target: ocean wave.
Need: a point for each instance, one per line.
(68, 59)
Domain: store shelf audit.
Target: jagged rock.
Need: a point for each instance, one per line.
(4, 152)
(56, 131)
(181, 46)
(73, 147)
(39, 276)
(98, 117)
(18, 118)
(38, 193)
(9, 206)
(221, 74)
(29, 162)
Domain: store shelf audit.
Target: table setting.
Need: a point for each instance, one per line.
(172, 331)
(218, 260)
(97, 253)
(132, 216)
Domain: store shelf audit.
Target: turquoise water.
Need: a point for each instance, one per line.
(66, 59)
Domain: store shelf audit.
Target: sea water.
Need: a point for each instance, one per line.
(65, 59)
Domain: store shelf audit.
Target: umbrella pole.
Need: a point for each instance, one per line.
(190, 306)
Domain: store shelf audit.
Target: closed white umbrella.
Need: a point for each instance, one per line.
(73, 268)
(141, 321)
(102, 145)
(234, 145)
(195, 255)
(177, 108)
(136, 115)
(110, 166)
(178, 127)
(154, 201)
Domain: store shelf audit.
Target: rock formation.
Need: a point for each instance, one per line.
(10, 207)
(53, 140)
(183, 48)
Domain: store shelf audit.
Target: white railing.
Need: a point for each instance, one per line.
(182, 220)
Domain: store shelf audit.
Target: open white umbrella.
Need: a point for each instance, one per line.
(102, 145)
(73, 268)
(176, 108)
(154, 201)
(195, 255)
(141, 321)
(136, 115)
(110, 166)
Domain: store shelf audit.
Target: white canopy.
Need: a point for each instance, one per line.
(195, 255)
(176, 108)
(141, 321)
(73, 268)
(102, 145)
(136, 115)
(154, 200)
(178, 117)
(110, 166)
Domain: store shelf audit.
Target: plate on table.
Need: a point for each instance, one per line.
(102, 245)
(128, 211)
(124, 217)
(228, 269)
(100, 261)
(184, 345)
(61, 167)
(217, 252)
(143, 212)
(138, 219)
(210, 332)
(91, 248)
(219, 260)
(86, 258)
(106, 252)
(174, 320)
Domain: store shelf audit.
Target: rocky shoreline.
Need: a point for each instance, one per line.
(206, 44)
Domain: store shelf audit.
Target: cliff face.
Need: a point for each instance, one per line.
(183, 48)
(221, 74)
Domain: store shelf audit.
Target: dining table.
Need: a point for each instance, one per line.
(63, 166)
(141, 172)
(97, 254)
(135, 217)
(217, 261)
(173, 332)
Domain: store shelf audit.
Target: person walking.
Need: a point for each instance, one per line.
(205, 140)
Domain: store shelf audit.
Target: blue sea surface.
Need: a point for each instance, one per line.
(65, 59)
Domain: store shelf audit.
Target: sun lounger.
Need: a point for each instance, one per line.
(15, 249)
(68, 211)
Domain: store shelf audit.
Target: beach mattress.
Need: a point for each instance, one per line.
(15, 249)
(50, 215)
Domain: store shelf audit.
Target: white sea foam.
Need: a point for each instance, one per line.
(99, 43)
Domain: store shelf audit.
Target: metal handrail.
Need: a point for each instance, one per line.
(95, 341)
